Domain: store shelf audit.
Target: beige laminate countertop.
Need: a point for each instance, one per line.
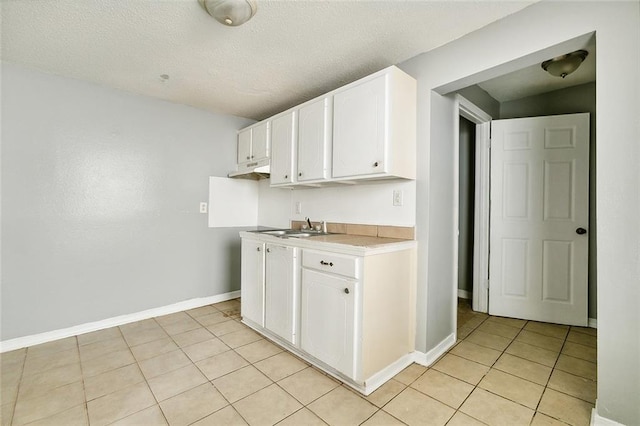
(356, 240)
(338, 243)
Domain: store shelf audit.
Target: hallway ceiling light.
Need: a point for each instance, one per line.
(230, 12)
(564, 65)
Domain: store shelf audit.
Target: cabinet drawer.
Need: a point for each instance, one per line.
(332, 263)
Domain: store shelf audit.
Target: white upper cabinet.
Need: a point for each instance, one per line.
(283, 144)
(314, 140)
(260, 141)
(253, 143)
(365, 130)
(244, 146)
(359, 129)
(374, 127)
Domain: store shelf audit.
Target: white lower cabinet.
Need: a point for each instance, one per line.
(252, 278)
(270, 276)
(351, 315)
(282, 291)
(328, 319)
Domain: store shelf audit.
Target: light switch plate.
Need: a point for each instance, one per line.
(397, 197)
(298, 207)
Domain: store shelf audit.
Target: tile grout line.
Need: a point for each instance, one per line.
(565, 340)
(15, 403)
(476, 385)
(504, 351)
(84, 386)
(146, 380)
(196, 366)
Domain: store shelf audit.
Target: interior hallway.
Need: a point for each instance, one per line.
(204, 367)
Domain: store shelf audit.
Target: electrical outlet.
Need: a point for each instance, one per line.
(298, 207)
(397, 197)
(203, 207)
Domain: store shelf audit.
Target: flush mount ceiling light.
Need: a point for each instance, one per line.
(564, 65)
(230, 12)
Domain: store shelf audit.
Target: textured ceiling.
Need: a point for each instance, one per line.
(291, 51)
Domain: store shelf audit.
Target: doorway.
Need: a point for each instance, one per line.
(476, 250)
(466, 186)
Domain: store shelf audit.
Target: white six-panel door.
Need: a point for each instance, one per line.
(539, 210)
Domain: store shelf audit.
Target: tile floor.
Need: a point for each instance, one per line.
(204, 367)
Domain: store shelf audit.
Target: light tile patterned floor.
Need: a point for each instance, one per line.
(204, 367)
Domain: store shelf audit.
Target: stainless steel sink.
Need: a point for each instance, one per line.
(275, 232)
(292, 233)
(300, 235)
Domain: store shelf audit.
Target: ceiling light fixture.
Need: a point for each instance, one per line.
(564, 65)
(230, 12)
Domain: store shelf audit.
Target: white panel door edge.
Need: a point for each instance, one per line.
(539, 218)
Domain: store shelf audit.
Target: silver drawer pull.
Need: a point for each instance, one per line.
(322, 262)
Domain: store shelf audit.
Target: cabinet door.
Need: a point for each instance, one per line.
(244, 146)
(359, 129)
(260, 141)
(252, 281)
(283, 145)
(314, 140)
(327, 320)
(281, 292)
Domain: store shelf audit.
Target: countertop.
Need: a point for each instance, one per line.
(343, 243)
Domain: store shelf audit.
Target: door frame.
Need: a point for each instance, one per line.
(481, 205)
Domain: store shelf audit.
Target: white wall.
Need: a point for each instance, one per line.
(100, 197)
(363, 203)
(541, 31)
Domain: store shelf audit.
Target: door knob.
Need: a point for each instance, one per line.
(581, 231)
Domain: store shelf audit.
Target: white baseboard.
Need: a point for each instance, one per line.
(593, 323)
(381, 377)
(597, 420)
(36, 339)
(441, 348)
(464, 294)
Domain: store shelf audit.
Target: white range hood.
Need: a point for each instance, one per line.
(255, 170)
